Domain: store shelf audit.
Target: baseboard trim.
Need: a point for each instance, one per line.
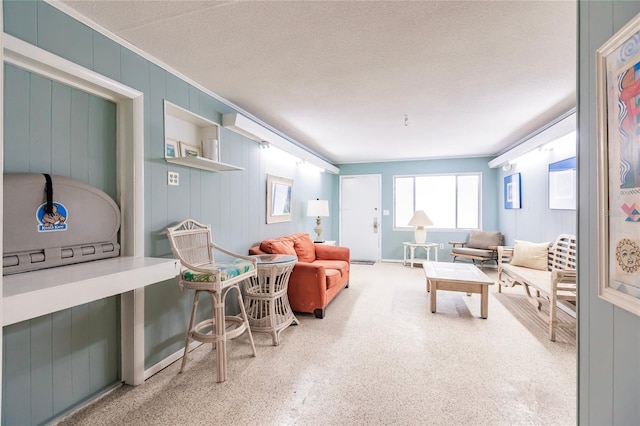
(168, 360)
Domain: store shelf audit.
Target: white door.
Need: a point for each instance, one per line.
(360, 216)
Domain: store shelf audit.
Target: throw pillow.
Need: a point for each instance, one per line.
(282, 247)
(530, 255)
(305, 249)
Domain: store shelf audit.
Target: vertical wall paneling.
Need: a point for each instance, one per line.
(16, 120)
(75, 43)
(23, 22)
(156, 168)
(16, 372)
(60, 130)
(233, 202)
(79, 135)
(57, 360)
(80, 351)
(41, 369)
(39, 125)
(535, 221)
(63, 368)
(106, 56)
(609, 342)
(1, 185)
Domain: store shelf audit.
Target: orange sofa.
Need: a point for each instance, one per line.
(319, 275)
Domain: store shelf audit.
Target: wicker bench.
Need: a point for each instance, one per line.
(557, 284)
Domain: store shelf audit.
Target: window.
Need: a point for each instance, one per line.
(451, 201)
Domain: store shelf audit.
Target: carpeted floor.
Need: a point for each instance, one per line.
(378, 357)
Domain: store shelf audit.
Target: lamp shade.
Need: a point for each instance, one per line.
(318, 208)
(420, 218)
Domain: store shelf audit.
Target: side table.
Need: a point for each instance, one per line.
(412, 248)
(266, 300)
(326, 243)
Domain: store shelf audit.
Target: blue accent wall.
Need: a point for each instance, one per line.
(391, 244)
(608, 336)
(56, 361)
(45, 351)
(535, 221)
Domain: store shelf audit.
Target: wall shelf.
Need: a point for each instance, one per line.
(203, 163)
(184, 127)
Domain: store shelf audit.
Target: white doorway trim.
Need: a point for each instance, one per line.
(130, 162)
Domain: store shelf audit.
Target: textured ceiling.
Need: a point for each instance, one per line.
(473, 77)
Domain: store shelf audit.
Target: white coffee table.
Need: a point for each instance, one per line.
(463, 277)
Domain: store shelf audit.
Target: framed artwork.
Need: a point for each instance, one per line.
(617, 117)
(187, 150)
(171, 149)
(512, 194)
(279, 199)
(562, 184)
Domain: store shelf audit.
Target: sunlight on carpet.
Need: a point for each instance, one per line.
(523, 311)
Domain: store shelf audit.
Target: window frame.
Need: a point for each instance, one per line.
(414, 176)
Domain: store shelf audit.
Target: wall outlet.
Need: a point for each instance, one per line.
(441, 245)
(173, 178)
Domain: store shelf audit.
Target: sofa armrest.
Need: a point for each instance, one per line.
(324, 252)
(457, 243)
(307, 287)
(505, 253)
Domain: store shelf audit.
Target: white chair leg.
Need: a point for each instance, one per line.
(245, 319)
(194, 309)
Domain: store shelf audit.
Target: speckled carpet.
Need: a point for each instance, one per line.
(378, 357)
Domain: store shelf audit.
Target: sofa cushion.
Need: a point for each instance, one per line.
(339, 265)
(488, 254)
(484, 239)
(227, 270)
(333, 277)
(530, 255)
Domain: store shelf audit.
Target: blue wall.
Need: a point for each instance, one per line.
(232, 202)
(535, 221)
(609, 337)
(56, 360)
(392, 240)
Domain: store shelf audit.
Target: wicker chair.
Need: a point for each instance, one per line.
(191, 244)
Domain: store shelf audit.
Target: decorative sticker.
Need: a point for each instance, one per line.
(54, 221)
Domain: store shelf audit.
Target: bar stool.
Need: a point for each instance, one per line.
(191, 244)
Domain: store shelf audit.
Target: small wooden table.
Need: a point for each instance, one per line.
(463, 277)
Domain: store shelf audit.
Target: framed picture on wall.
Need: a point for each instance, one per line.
(187, 150)
(617, 117)
(512, 193)
(279, 199)
(562, 184)
(171, 149)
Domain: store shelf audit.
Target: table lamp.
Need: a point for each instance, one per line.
(420, 220)
(318, 208)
